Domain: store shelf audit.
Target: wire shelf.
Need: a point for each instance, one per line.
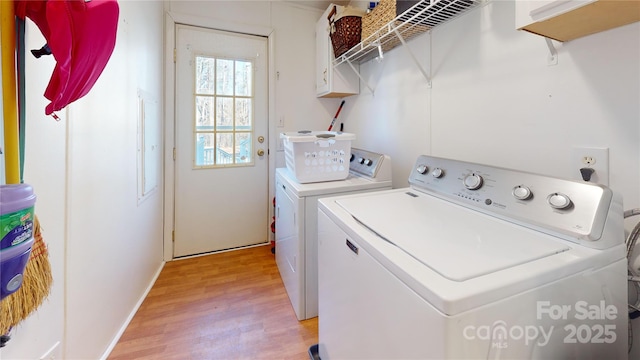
(420, 18)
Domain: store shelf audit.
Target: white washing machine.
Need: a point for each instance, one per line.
(473, 262)
(297, 219)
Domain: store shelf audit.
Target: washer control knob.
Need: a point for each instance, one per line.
(437, 173)
(559, 201)
(368, 162)
(422, 169)
(473, 181)
(521, 192)
(361, 160)
(352, 158)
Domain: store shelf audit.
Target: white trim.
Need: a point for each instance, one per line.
(219, 24)
(169, 136)
(171, 19)
(272, 139)
(68, 185)
(126, 323)
(220, 251)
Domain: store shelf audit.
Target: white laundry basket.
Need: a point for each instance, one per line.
(315, 156)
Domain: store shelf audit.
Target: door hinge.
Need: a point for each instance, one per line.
(174, 154)
(175, 55)
(173, 236)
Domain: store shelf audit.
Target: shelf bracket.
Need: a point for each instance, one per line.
(552, 58)
(359, 76)
(415, 59)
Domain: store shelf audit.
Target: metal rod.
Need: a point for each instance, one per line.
(359, 76)
(553, 54)
(415, 59)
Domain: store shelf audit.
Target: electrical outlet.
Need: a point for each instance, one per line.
(591, 158)
(588, 160)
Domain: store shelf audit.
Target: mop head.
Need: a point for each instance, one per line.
(36, 285)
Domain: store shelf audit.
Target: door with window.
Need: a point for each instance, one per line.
(221, 191)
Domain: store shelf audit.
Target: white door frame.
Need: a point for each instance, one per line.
(171, 19)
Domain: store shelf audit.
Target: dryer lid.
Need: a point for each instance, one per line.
(454, 241)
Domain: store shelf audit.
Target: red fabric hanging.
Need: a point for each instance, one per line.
(81, 35)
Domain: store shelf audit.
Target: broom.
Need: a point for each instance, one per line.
(36, 285)
(37, 277)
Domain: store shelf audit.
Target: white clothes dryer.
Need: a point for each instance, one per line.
(297, 219)
(473, 261)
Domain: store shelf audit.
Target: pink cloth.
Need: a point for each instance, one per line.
(81, 35)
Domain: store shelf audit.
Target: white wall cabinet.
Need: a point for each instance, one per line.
(565, 20)
(339, 81)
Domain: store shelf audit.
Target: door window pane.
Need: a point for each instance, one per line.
(243, 114)
(204, 75)
(224, 77)
(224, 148)
(205, 150)
(243, 148)
(224, 114)
(244, 70)
(204, 113)
(223, 124)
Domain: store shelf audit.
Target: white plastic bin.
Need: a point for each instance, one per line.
(316, 156)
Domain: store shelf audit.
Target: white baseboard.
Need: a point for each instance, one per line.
(267, 242)
(124, 326)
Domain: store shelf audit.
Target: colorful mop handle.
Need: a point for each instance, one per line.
(9, 97)
(336, 117)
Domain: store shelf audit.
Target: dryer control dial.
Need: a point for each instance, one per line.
(559, 201)
(437, 173)
(472, 181)
(521, 192)
(422, 169)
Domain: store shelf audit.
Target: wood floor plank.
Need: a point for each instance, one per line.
(229, 305)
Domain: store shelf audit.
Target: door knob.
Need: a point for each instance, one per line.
(260, 152)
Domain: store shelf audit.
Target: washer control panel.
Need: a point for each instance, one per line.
(574, 210)
(366, 163)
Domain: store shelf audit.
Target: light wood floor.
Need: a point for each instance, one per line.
(230, 305)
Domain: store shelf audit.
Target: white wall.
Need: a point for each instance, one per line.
(115, 245)
(105, 249)
(495, 100)
(492, 90)
(395, 119)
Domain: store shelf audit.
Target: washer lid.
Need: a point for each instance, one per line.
(454, 241)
